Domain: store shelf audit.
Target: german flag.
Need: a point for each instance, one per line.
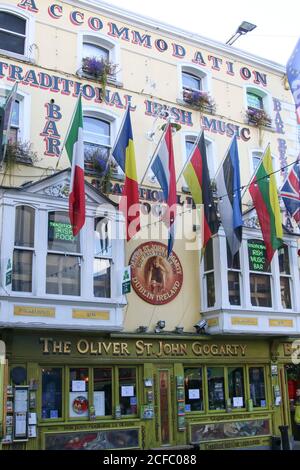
(196, 175)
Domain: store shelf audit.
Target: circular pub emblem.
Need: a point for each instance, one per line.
(154, 277)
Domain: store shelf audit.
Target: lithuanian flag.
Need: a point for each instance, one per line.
(124, 155)
(263, 191)
(197, 177)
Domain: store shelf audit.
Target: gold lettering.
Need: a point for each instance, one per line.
(45, 342)
(82, 346)
(67, 347)
(124, 350)
(235, 348)
(167, 348)
(214, 349)
(183, 349)
(139, 347)
(93, 348)
(222, 350)
(148, 347)
(116, 349)
(160, 352)
(228, 350)
(197, 349)
(57, 347)
(206, 349)
(243, 349)
(107, 347)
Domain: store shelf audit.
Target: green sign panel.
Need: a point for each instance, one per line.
(126, 282)
(60, 231)
(257, 256)
(8, 273)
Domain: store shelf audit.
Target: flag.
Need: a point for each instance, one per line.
(124, 155)
(196, 175)
(164, 169)
(6, 120)
(229, 194)
(293, 76)
(75, 151)
(265, 199)
(290, 192)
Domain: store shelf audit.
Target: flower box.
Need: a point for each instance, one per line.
(258, 117)
(199, 100)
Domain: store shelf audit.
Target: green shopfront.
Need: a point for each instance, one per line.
(128, 391)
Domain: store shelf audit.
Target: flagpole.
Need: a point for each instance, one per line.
(222, 161)
(254, 173)
(155, 151)
(67, 134)
(190, 155)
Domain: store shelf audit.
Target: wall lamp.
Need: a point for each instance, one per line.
(142, 329)
(179, 330)
(244, 28)
(200, 327)
(159, 326)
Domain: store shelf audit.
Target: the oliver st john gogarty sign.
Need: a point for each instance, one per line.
(139, 348)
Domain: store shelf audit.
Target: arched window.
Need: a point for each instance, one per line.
(92, 50)
(258, 107)
(191, 81)
(12, 32)
(102, 49)
(195, 87)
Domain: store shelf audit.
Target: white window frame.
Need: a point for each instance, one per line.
(266, 97)
(25, 107)
(200, 72)
(103, 41)
(275, 164)
(210, 151)
(29, 33)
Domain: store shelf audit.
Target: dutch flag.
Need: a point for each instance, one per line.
(164, 169)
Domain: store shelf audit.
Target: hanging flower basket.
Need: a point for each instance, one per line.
(199, 100)
(258, 117)
(98, 69)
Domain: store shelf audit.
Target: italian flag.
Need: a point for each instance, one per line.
(263, 191)
(75, 151)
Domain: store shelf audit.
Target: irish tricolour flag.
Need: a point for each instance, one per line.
(75, 151)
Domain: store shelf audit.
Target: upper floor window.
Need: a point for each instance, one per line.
(14, 132)
(23, 249)
(285, 277)
(102, 257)
(92, 50)
(259, 107)
(254, 100)
(256, 157)
(234, 276)
(97, 143)
(195, 88)
(209, 274)
(260, 274)
(189, 142)
(99, 57)
(191, 82)
(63, 270)
(12, 33)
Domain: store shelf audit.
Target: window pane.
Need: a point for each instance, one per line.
(260, 288)
(91, 50)
(193, 389)
(60, 236)
(257, 387)
(102, 269)
(233, 263)
(51, 393)
(10, 42)
(103, 392)
(24, 228)
(236, 387)
(191, 81)
(96, 158)
(286, 300)
(257, 256)
(234, 288)
(189, 145)
(15, 117)
(78, 395)
(127, 393)
(210, 287)
(102, 237)
(96, 130)
(63, 275)
(283, 258)
(22, 271)
(254, 101)
(12, 23)
(209, 256)
(216, 388)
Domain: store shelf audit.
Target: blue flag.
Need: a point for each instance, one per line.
(293, 76)
(290, 192)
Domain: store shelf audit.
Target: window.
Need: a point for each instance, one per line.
(102, 397)
(102, 257)
(191, 82)
(259, 105)
(209, 274)
(78, 394)
(234, 275)
(260, 274)
(92, 50)
(97, 144)
(52, 393)
(23, 249)
(12, 33)
(216, 388)
(285, 277)
(256, 159)
(257, 387)
(189, 142)
(254, 101)
(193, 389)
(15, 120)
(236, 387)
(127, 391)
(63, 258)
(103, 48)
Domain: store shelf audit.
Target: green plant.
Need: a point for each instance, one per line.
(19, 152)
(99, 69)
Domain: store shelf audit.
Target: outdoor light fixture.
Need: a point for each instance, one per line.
(244, 28)
(200, 326)
(178, 329)
(160, 326)
(142, 329)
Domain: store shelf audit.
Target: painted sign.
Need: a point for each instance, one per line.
(126, 284)
(257, 256)
(155, 278)
(90, 314)
(34, 311)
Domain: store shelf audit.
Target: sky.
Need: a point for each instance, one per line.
(276, 34)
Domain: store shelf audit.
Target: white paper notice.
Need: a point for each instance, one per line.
(21, 401)
(31, 418)
(194, 393)
(31, 431)
(99, 403)
(277, 401)
(238, 402)
(21, 424)
(127, 391)
(78, 385)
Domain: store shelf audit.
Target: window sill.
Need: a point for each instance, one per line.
(14, 55)
(78, 300)
(110, 81)
(206, 109)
